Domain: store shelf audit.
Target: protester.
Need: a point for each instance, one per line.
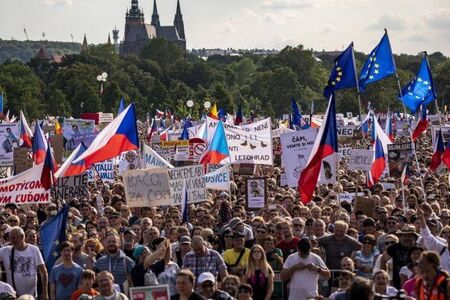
(105, 286)
(87, 280)
(185, 284)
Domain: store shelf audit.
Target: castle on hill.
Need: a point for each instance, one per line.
(138, 33)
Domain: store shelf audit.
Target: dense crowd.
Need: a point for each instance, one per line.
(286, 250)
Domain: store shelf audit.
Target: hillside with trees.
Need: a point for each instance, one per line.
(26, 50)
(163, 76)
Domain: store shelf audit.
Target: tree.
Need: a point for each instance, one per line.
(161, 51)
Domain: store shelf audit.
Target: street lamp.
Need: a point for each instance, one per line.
(102, 78)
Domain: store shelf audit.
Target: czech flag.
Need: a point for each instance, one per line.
(47, 178)
(69, 168)
(218, 148)
(422, 125)
(388, 128)
(378, 163)
(446, 155)
(439, 149)
(239, 116)
(151, 130)
(325, 145)
(119, 136)
(405, 174)
(213, 113)
(121, 106)
(25, 132)
(39, 147)
(159, 113)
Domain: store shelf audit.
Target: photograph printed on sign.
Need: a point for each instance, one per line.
(328, 169)
(9, 138)
(256, 193)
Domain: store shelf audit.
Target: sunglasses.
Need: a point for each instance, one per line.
(261, 231)
(242, 291)
(389, 243)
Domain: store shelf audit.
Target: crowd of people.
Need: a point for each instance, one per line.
(286, 250)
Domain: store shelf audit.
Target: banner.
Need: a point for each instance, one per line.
(346, 131)
(105, 171)
(25, 188)
(296, 147)
(345, 152)
(71, 187)
(251, 143)
(76, 131)
(9, 139)
(218, 179)
(145, 188)
(151, 159)
(360, 159)
(398, 156)
(194, 178)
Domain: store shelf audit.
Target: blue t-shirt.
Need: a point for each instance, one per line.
(65, 279)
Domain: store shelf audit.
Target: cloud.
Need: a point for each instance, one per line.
(326, 28)
(57, 2)
(248, 13)
(224, 28)
(438, 18)
(389, 21)
(290, 4)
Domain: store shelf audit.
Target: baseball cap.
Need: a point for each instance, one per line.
(185, 240)
(206, 276)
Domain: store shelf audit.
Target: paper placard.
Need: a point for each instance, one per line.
(9, 139)
(71, 187)
(256, 193)
(145, 188)
(194, 178)
(360, 159)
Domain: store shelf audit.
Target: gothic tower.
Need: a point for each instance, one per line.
(155, 16)
(134, 15)
(178, 22)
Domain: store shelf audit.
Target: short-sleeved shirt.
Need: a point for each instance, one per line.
(211, 261)
(400, 258)
(288, 248)
(26, 265)
(335, 250)
(66, 280)
(116, 266)
(230, 257)
(304, 283)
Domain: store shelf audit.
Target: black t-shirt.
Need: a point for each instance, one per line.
(194, 296)
(138, 272)
(400, 258)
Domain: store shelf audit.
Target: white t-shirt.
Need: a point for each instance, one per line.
(303, 283)
(25, 268)
(6, 288)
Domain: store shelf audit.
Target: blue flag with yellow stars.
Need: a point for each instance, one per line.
(52, 234)
(420, 90)
(380, 64)
(343, 74)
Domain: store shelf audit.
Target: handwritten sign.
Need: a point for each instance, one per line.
(145, 188)
(71, 187)
(194, 178)
(360, 159)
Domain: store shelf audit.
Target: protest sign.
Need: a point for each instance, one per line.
(25, 188)
(194, 178)
(154, 292)
(212, 167)
(398, 156)
(360, 159)
(345, 152)
(22, 160)
(105, 117)
(71, 187)
(197, 147)
(328, 169)
(77, 130)
(218, 179)
(256, 193)
(145, 188)
(105, 171)
(347, 197)
(346, 131)
(9, 139)
(251, 143)
(151, 159)
(129, 160)
(445, 133)
(179, 148)
(57, 142)
(296, 147)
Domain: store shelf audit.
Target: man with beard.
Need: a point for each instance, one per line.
(105, 287)
(79, 257)
(115, 261)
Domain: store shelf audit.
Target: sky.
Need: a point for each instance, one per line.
(413, 25)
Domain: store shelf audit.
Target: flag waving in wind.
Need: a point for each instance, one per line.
(39, 147)
(218, 147)
(296, 115)
(378, 162)
(439, 149)
(406, 174)
(52, 234)
(420, 90)
(325, 145)
(119, 136)
(422, 125)
(47, 176)
(25, 132)
(121, 106)
(446, 155)
(380, 64)
(69, 168)
(239, 116)
(388, 127)
(343, 74)
(185, 206)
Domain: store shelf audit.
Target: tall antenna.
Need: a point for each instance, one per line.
(71, 35)
(43, 36)
(26, 34)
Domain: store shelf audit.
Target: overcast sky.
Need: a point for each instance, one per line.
(413, 25)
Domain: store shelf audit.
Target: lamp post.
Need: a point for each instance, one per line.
(101, 79)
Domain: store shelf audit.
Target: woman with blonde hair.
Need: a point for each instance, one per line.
(259, 274)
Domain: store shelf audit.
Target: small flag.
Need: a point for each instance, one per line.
(184, 134)
(446, 155)
(39, 147)
(151, 130)
(52, 234)
(405, 174)
(213, 113)
(218, 147)
(121, 106)
(239, 116)
(47, 177)
(159, 113)
(439, 149)
(25, 132)
(422, 125)
(185, 206)
(58, 129)
(388, 127)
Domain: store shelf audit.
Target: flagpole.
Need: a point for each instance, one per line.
(357, 83)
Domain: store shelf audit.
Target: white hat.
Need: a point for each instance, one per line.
(206, 276)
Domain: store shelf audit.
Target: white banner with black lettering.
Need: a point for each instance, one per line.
(251, 143)
(218, 179)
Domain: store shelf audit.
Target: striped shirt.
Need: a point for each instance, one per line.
(116, 266)
(211, 261)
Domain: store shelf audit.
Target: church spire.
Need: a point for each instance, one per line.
(178, 22)
(84, 47)
(155, 16)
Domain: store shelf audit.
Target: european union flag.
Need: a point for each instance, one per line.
(343, 74)
(185, 133)
(380, 64)
(296, 115)
(121, 105)
(420, 90)
(52, 234)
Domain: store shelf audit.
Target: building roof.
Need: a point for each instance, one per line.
(168, 32)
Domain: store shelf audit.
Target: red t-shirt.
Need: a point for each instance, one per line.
(288, 247)
(79, 292)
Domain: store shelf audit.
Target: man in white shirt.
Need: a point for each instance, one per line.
(27, 262)
(303, 270)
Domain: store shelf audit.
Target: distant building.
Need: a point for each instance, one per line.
(44, 55)
(138, 33)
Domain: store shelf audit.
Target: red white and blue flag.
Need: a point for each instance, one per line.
(439, 149)
(326, 144)
(39, 147)
(388, 128)
(69, 167)
(380, 147)
(151, 130)
(47, 177)
(119, 136)
(422, 125)
(159, 113)
(218, 147)
(406, 174)
(446, 155)
(25, 132)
